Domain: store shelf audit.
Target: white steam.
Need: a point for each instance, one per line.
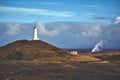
(117, 20)
(98, 47)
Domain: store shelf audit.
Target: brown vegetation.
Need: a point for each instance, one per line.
(37, 60)
(29, 50)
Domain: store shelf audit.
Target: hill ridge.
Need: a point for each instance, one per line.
(29, 50)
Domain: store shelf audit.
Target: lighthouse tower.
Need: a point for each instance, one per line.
(35, 35)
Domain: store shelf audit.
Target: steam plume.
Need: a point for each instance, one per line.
(98, 47)
(117, 20)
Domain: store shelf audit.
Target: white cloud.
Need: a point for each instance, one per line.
(93, 30)
(43, 31)
(92, 6)
(35, 3)
(13, 29)
(51, 3)
(117, 20)
(50, 33)
(89, 14)
(72, 34)
(36, 11)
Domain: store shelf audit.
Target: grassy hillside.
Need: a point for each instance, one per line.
(29, 50)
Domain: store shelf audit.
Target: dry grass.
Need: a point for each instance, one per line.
(46, 62)
(84, 58)
(35, 70)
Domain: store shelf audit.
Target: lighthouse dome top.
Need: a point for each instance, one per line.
(34, 26)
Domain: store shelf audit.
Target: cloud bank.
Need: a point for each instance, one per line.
(65, 34)
(12, 29)
(49, 30)
(48, 33)
(94, 30)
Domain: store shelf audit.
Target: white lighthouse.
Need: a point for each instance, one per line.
(35, 35)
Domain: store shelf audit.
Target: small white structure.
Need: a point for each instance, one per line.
(74, 52)
(35, 34)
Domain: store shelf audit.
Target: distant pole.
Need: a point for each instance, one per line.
(35, 34)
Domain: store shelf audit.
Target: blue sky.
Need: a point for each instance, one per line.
(63, 23)
(58, 10)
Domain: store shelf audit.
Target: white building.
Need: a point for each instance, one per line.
(35, 34)
(74, 52)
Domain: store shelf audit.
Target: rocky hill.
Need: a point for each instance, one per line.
(30, 50)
